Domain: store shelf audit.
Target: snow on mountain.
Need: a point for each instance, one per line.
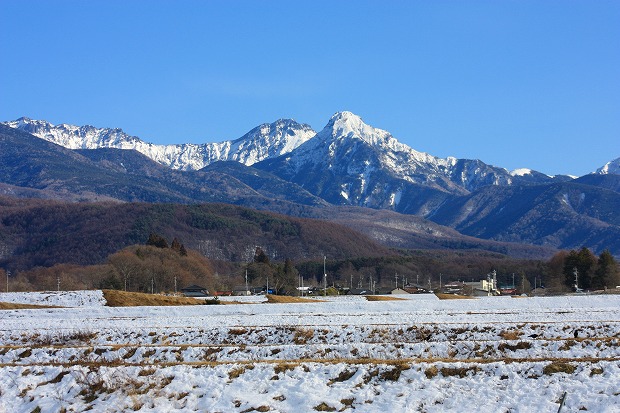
(365, 160)
(346, 133)
(612, 167)
(521, 172)
(262, 142)
(353, 163)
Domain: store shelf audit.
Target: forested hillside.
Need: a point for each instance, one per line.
(44, 233)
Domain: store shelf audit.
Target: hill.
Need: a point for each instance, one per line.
(44, 233)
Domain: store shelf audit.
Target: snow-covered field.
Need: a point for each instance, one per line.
(419, 354)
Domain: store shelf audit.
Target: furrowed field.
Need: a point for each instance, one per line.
(415, 354)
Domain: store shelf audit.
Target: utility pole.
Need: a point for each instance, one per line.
(513, 280)
(8, 273)
(58, 282)
(175, 285)
(246, 281)
(324, 277)
(576, 274)
(152, 285)
(440, 274)
(396, 279)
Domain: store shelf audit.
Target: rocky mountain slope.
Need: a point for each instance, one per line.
(348, 163)
(264, 141)
(611, 167)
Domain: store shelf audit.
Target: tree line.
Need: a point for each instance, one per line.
(160, 266)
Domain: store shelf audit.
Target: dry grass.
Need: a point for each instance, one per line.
(443, 296)
(511, 335)
(559, 367)
(16, 306)
(116, 298)
(281, 299)
(382, 298)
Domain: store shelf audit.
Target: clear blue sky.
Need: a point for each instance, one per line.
(514, 83)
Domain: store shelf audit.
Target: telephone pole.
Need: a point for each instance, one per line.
(324, 277)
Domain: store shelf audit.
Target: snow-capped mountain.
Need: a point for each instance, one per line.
(263, 142)
(612, 167)
(350, 162)
(347, 163)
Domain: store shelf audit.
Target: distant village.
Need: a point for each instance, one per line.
(485, 287)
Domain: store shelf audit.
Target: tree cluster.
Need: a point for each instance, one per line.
(581, 269)
(281, 277)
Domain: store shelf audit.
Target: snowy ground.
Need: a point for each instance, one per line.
(421, 354)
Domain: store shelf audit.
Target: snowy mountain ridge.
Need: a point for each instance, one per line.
(361, 157)
(372, 168)
(612, 167)
(264, 141)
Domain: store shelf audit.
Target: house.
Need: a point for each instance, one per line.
(398, 291)
(383, 290)
(453, 288)
(416, 289)
(359, 291)
(195, 291)
(242, 290)
(485, 287)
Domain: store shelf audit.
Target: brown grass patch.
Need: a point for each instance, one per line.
(324, 407)
(302, 335)
(282, 299)
(431, 372)
(19, 306)
(511, 334)
(116, 298)
(443, 296)
(382, 298)
(461, 372)
(521, 345)
(559, 367)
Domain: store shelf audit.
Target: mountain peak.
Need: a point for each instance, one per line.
(347, 121)
(611, 167)
(347, 125)
(264, 141)
(345, 114)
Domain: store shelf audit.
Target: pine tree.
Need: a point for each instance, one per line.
(606, 274)
(156, 240)
(524, 287)
(183, 251)
(175, 245)
(585, 263)
(260, 256)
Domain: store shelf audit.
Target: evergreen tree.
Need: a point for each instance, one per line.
(260, 257)
(290, 277)
(524, 287)
(156, 240)
(606, 274)
(585, 263)
(176, 245)
(183, 251)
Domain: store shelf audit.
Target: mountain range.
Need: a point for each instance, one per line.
(288, 168)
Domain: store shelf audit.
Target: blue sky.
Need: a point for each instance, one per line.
(514, 83)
